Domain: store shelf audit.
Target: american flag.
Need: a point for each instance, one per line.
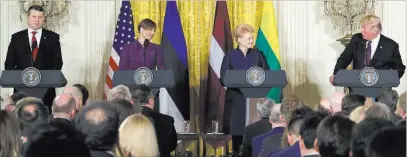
(124, 34)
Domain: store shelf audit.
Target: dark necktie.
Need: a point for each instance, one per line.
(368, 52)
(34, 45)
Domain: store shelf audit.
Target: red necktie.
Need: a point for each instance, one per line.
(34, 45)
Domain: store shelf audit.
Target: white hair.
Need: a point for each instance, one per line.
(119, 92)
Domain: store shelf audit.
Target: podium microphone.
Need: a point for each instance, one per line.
(145, 44)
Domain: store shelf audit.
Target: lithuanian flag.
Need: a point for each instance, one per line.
(267, 42)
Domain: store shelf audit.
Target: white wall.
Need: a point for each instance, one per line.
(308, 42)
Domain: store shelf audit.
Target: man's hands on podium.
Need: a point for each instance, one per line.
(331, 79)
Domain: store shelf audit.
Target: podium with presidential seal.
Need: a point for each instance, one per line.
(255, 82)
(32, 81)
(155, 79)
(367, 81)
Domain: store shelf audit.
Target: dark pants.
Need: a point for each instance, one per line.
(236, 142)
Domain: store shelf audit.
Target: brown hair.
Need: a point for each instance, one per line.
(241, 29)
(147, 24)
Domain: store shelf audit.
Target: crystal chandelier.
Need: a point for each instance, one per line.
(56, 12)
(346, 15)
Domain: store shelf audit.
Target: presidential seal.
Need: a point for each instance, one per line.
(143, 75)
(255, 76)
(31, 77)
(369, 76)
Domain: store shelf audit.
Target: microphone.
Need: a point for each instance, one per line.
(145, 44)
(255, 51)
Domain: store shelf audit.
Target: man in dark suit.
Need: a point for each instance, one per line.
(164, 124)
(262, 126)
(64, 110)
(35, 47)
(371, 48)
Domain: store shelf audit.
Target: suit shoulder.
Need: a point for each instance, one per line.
(20, 33)
(51, 33)
(165, 117)
(389, 40)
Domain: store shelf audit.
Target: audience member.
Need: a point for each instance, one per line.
(119, 92)
(64, 110)
(308, 133)
(49, 140)
(164, 124)
(363, 132)
(336, 101)
(402, 105)
(334, 136)
(388, 97)
(77, 94)
(358, 114)
(388, 143)
(351, 102)
(137, 128)
(382, 111)
(124, 108)
(9, 135)
(11, 104)
(84, 91)
(262, 126)
(99, 124)
(324, 106)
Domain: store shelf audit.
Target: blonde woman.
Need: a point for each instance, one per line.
(241, 58)
(358, 114)
(137, 138)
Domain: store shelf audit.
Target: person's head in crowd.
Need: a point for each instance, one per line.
(380, 110)
(48, 140)
(31, 112)
(243, 35)
(85, 93)
(388, 143)
(144, 95)
(324, 106)
(358, 114)
(352, 101)
(138, 128)
(388, 97)
(291, 132)
(99, 124)
(9, 134)
(124, 108)
(288, 105)
(370, 27)
(402, 105)
(119, 92)
(334, 136)
(263, 107)
(11, 104)
(147, 28)
(77, 94)
(275, 117)
(36, 17)
(336, 101)
(363, 131)
(308, 131)
(64, 106)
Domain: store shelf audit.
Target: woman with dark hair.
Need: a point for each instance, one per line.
(9, 135)
(84, 91)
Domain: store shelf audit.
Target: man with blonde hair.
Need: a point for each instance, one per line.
(370, 49)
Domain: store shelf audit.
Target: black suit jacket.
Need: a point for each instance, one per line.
(49, 57)
(386, 56)
(165, 131)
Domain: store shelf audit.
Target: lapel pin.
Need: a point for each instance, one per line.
(381, 46)
(45, 37)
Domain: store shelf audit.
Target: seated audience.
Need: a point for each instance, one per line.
(262, 126)
(49, 140)
(137, 128)
(124, 108)
(308, 134)
(273, 141)
(382, 111)
(402, 106)
(358, 114)
(164, 124)
(10, 137)
(388, 97)
(84, 91)
(293, 133)
(334, 136)
(64, 109)
(363, 132)
(119, 92)
(388, 143)
(99, 124)
(351, 102)
(11, 104)
(77, 94)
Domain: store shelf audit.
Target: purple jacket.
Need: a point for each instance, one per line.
(135, 56)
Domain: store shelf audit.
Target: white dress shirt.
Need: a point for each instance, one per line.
(37, 36)
(374, 44)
